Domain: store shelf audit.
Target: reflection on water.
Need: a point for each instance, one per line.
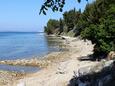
(53, 43)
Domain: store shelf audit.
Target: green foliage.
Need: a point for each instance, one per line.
(52, 25)
(71, 33)
(70, 18)
(65, 25)
(96, 23)
(101, 30)
(61, 26)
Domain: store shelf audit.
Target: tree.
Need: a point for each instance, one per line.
(61, 25)
(52, 25)
(55, 5)
(96, 23)
(101, 27)
(70, 18)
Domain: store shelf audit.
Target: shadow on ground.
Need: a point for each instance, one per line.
(87, 58)
(105, 77)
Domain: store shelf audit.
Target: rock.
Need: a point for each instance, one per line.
(21, 84)
(84, 71)
(63, 38)
(111, 55)
(108, 63)
(93, 69)
(88, 70)
(60, 71)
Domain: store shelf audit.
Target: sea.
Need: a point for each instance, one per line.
(25, 45)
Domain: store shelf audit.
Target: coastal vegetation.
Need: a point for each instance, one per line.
(95, 23)
(90, 30)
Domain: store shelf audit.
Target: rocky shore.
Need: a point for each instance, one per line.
(61, 68)
(7, 78)
(56, 56)
(61, 65)
(45, 61)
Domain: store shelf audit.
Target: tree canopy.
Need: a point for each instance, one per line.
(96, 23)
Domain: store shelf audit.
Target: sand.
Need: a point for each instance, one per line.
(60, 71)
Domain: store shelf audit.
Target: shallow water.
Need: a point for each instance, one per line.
(21, 69)
(25, 45)
(20, 45)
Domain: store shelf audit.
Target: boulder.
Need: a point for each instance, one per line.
(93, 68)
(111, 55)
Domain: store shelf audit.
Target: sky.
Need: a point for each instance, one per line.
(23, 15)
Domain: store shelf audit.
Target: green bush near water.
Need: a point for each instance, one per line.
(96, 23)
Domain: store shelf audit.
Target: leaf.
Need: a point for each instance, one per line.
(56, 0)
(60, 9)
(48, 5)
(63, 2)
(53, 9)
(45, 8)
(44, 12)
(56, 8)
(40, 12)
(79, 1)
(62, 6)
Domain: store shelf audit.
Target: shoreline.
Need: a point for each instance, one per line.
(62, 65)
(16, 76)
(34, 62)
(53, 62)
(7, 78)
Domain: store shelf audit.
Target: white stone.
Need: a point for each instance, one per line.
(21, 84)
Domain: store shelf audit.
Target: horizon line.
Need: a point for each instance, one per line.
(22, 31)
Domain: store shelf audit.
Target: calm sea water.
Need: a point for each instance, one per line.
(25, 45)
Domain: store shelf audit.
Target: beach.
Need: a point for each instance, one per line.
(57, 43)
(61, 66)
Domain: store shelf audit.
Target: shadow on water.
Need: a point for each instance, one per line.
(20, 69)
(55, 44)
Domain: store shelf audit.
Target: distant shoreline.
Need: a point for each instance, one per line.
(18, 32)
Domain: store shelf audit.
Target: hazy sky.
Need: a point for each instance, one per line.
(23, 15)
